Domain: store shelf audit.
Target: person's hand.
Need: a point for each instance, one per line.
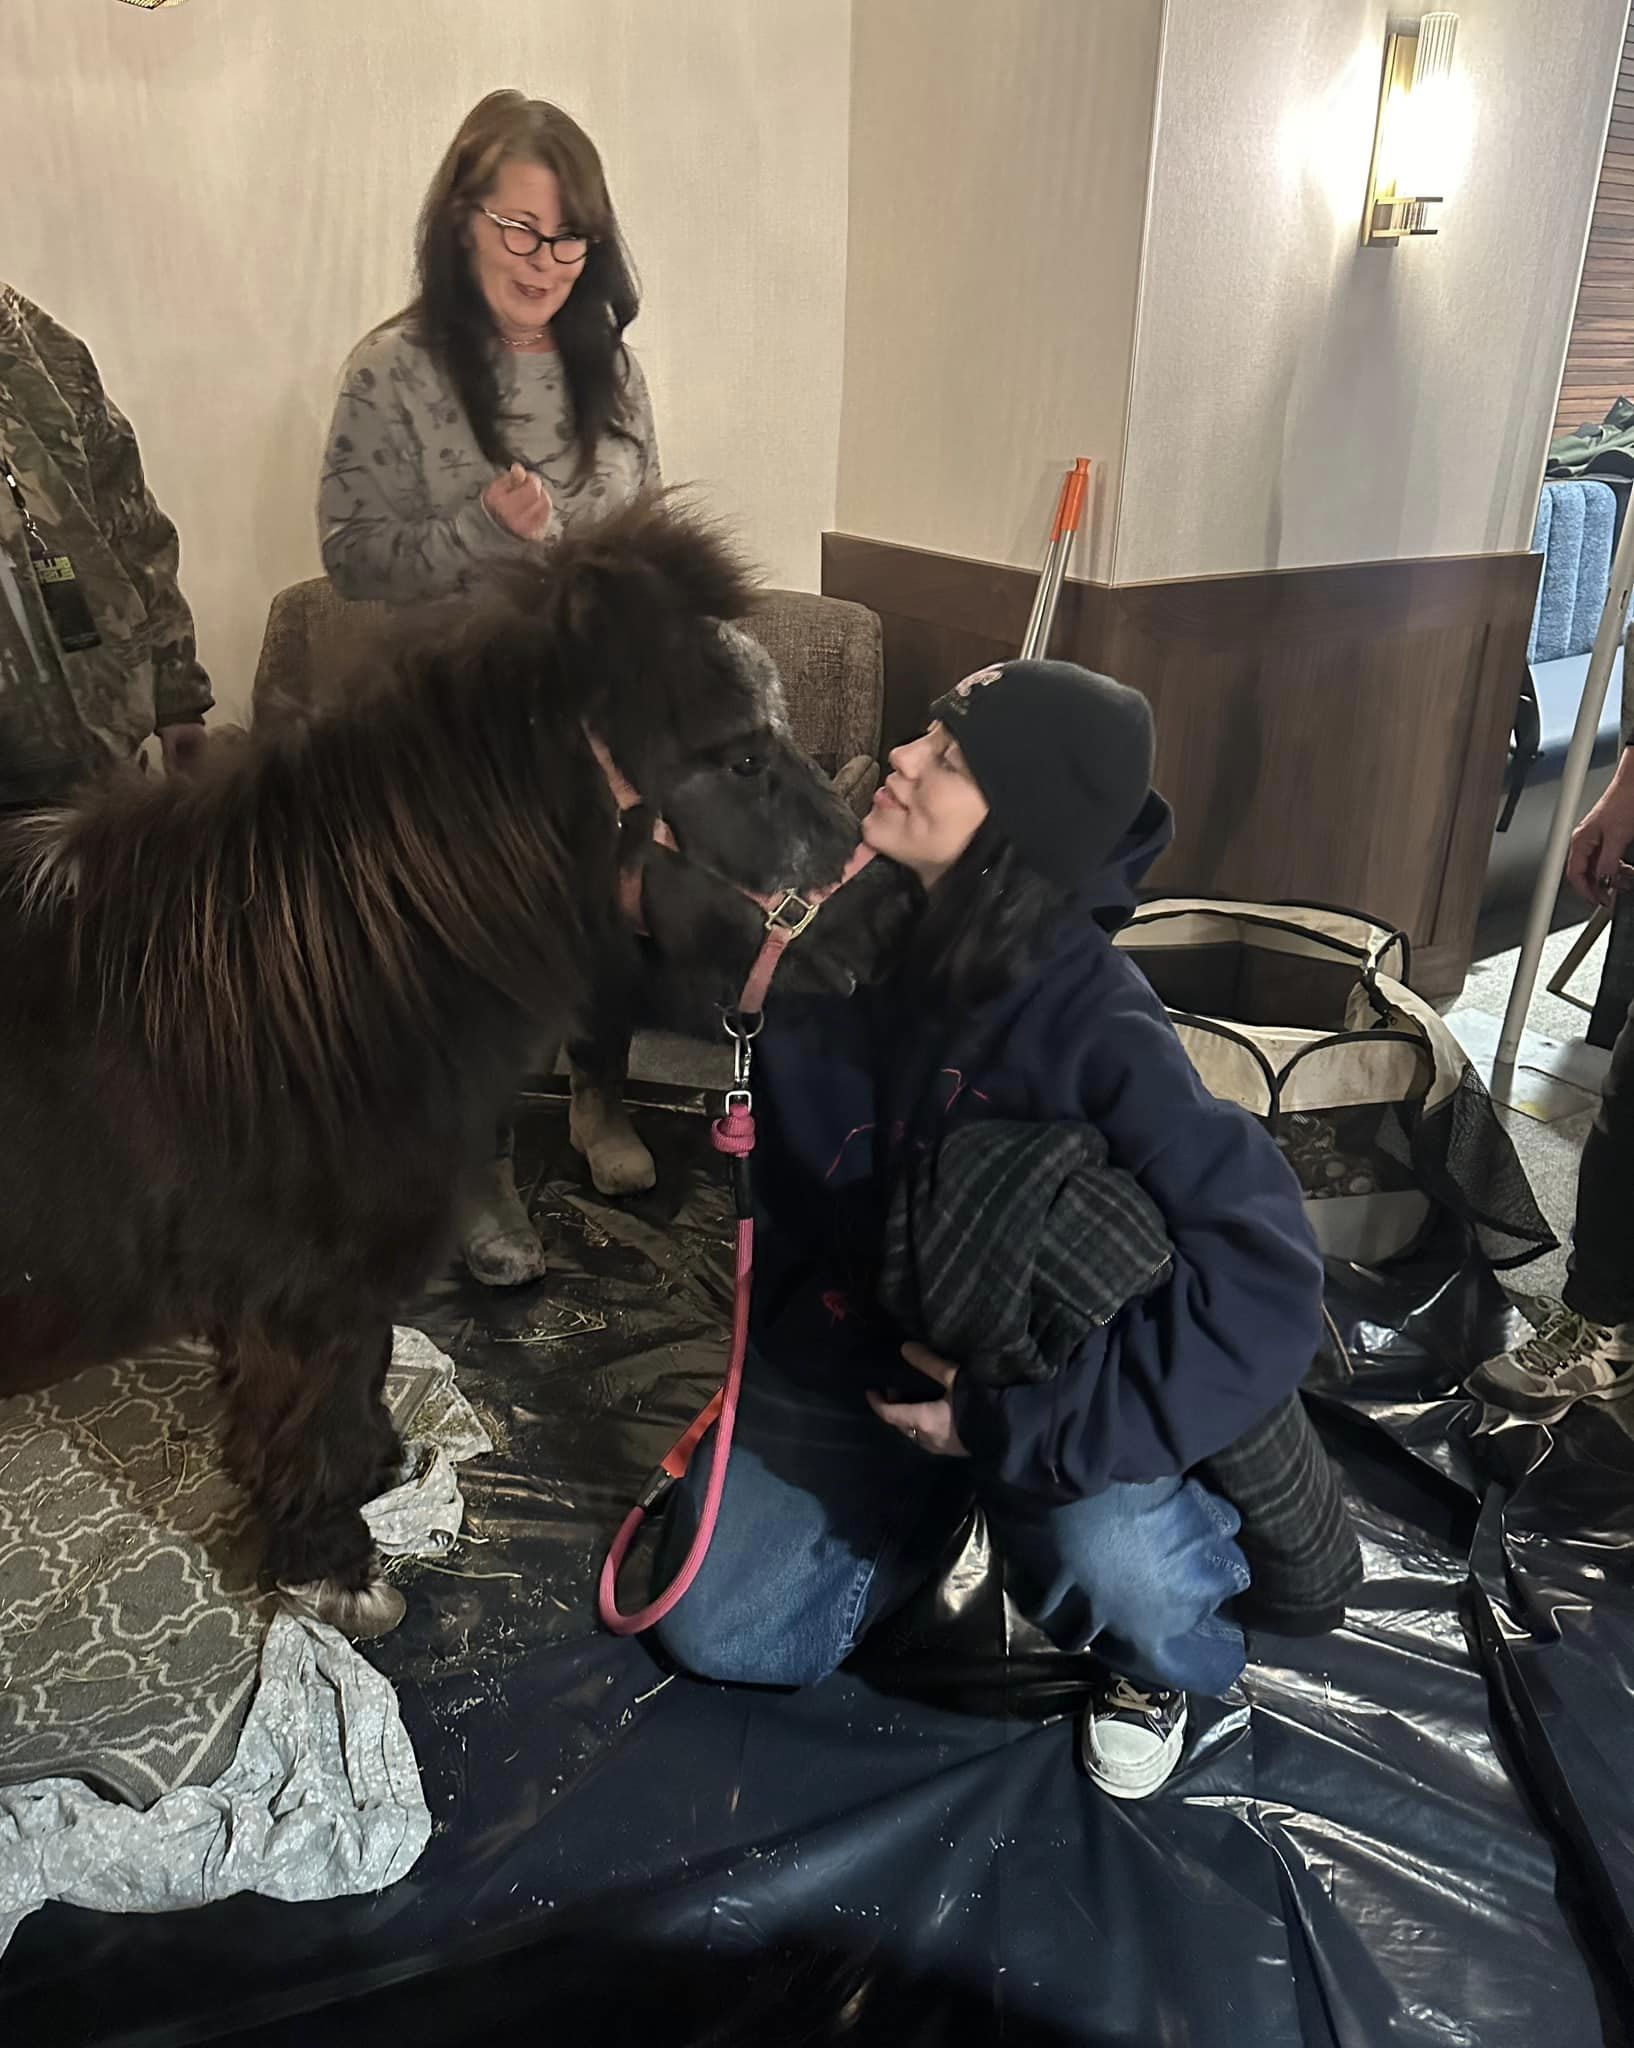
(518, 501)
(1595, 866)
(929, 1424)
(183, 747)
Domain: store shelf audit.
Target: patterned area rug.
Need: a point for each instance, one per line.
(130, 1621)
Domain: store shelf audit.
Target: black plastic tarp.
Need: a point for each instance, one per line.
(1418, 1831)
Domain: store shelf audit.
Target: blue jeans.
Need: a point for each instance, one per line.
(830, 1520)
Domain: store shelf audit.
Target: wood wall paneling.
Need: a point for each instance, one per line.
(1331, 734)
(1600, 354)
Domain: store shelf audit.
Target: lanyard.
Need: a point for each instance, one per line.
(31, 532)
(59, 587)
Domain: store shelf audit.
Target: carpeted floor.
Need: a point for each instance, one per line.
(128, 1571)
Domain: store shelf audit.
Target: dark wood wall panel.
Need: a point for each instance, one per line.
(1334, 734)
(1600, 355)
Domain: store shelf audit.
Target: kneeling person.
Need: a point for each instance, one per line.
(1009, 1020)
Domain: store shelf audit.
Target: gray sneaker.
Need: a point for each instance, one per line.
(1567, 1358)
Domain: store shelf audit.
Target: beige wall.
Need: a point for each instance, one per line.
(1268, 393)
(220, 199)
(1298, 399)
(998, 167)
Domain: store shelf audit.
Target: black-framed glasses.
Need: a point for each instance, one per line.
(522, 240)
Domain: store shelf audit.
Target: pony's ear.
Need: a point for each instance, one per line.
(656, 561)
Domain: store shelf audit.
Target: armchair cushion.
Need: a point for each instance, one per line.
(828, 651)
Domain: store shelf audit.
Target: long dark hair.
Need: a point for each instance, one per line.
(987, 923)
(449, 316)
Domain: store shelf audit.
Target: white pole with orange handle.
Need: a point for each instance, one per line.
(1069, 513)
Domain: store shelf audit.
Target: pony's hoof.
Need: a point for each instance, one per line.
(512, 1258)
(375, 1610)
(498, 1242)
(622, 1166)
(619, 1163)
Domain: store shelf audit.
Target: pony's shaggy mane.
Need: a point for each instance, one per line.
(267, 929)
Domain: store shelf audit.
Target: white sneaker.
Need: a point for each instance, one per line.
(1566, 1359)
(1132, 1739)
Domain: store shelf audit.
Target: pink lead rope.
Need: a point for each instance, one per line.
(787, 916)
(733, 1134)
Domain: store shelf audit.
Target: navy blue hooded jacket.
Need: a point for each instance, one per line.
(1177, 1375)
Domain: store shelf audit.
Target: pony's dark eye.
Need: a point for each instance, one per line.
(749, 764)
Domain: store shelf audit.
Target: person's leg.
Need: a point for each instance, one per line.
(827, 1522)
(1601, 1283)
(1138, 1574)
(1583, 1346)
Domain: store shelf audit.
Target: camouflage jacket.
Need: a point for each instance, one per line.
(64, 715)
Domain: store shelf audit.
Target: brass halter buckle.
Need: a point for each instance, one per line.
(792, 920)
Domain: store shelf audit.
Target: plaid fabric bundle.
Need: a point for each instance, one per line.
(1010, 1244)
(1297, 1534)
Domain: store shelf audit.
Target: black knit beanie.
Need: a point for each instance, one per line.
(1063, 757)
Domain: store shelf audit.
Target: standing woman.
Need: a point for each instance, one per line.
(474, 429)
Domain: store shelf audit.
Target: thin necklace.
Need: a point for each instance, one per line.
(528, 340)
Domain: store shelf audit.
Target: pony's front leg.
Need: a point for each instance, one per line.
(309, 1438)
(598, 1063)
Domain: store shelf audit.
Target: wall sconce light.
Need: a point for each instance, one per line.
(1408, 177)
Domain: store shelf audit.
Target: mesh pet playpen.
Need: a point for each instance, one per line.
(1303, 1015)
